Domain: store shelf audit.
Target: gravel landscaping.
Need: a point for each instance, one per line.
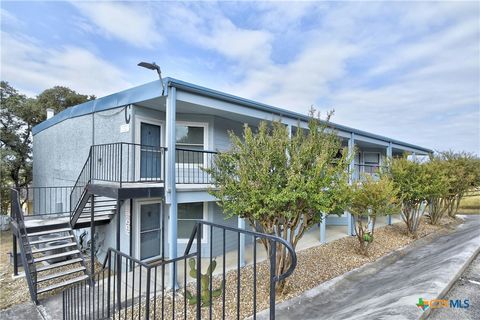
(315, 265)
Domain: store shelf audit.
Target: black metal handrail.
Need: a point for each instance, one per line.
(118, 163)
(119, 291)
(18, 226)
(190, 165)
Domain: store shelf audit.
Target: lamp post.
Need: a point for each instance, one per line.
(153, 66)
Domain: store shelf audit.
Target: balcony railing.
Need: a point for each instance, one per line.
(119, 163)
(372, 170)
(190, 165)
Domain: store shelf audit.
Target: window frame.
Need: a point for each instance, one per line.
(205, 218)
(203, 125)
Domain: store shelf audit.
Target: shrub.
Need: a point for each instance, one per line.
(412, 179)
(281, 184)
(368, 200)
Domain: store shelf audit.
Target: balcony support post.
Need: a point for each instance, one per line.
(323, 228)
(241, 225)
(351, 173)
(389, 158)
(170, 181)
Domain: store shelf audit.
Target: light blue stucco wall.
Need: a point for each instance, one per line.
(60, 151)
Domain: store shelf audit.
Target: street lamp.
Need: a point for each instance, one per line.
(153, 66)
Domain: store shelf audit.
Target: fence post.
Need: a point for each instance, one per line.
(14, 239)
(92, 236)
(273, 261)
(147, 303)
(199, 271)
(109, 282)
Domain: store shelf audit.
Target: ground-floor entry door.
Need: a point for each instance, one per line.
(151, 225)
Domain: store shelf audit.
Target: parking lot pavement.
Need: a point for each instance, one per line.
(466, 287)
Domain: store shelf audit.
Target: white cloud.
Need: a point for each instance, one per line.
(31, 68)
(134, 24)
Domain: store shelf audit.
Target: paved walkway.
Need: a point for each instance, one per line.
(24, 311)
(390, 287)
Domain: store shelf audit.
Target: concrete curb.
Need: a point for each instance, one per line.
(450, 284)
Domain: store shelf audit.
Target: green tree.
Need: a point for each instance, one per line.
(59, 98)
(413, 181)
(280, 185)
(463, 170)
(440, 182)
(370, 199)
(18, 115)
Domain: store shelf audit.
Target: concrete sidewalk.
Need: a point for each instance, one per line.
(390, 287)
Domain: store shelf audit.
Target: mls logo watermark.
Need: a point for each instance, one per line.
(443, 303)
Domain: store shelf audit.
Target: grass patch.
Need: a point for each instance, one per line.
(470, 204)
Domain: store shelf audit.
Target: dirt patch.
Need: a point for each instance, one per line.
(15, 290)
(12, 291)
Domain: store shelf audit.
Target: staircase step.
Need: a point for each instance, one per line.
(60, 274)
(59, 264)
(102, 214)
(51, 240)
(53, 256)
(62, 284)
(66, 245)
(41, 233)
(87, 220)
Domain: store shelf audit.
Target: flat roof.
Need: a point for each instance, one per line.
(151, 90)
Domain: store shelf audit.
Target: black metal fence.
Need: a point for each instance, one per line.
(190, 165)
(42, 200)
(187, 287)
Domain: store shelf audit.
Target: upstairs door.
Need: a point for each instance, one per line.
(150, 154)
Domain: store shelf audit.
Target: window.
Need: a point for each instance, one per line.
(188, 214)
(372, 162)
(371, 158)
(190, 136)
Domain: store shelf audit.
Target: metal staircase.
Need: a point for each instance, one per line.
(50, 253)
(51, 258)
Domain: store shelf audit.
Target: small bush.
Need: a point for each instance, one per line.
(368, 200)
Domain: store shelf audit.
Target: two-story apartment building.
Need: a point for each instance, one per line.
(138, 155)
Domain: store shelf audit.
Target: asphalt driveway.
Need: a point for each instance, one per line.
(390, 287)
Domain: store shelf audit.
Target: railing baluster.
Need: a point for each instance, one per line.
(223, 275)
(254, 277)
(238, 275)
(147, 294)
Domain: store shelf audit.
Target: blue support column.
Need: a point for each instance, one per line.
(241, 225)
(170, 179)
(323, 228)
(389, 157)
(351, 168)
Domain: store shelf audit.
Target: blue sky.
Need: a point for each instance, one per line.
(408, 70)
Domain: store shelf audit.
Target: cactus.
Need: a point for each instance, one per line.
(204, 284)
